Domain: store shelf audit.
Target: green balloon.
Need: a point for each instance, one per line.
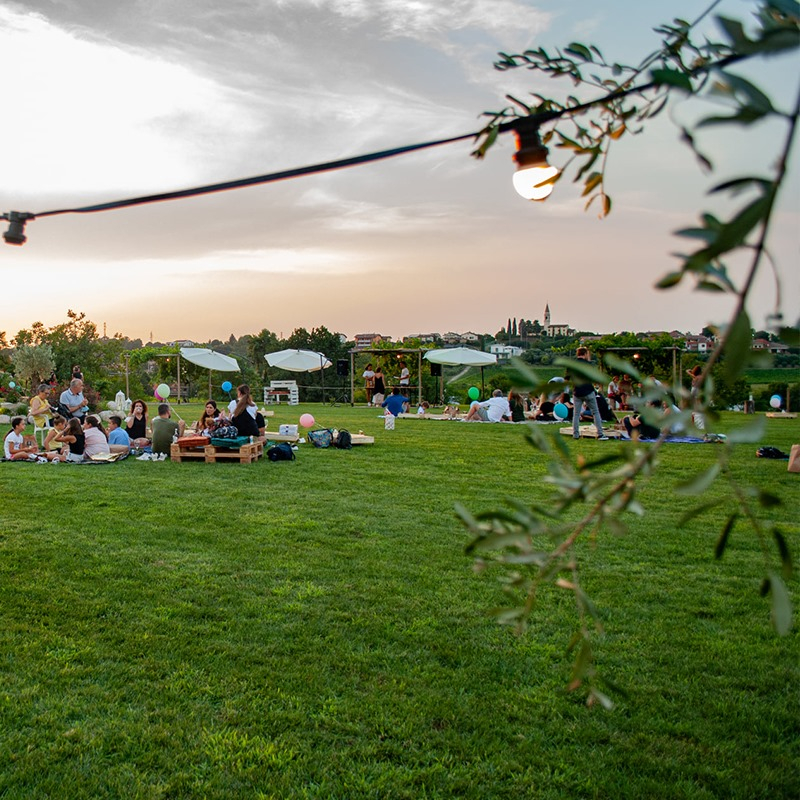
(473, 393)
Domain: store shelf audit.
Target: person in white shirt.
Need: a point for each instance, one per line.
(495, 409)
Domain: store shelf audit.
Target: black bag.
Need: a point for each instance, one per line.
(281, 452)
(344, 441)
(225, 432)
(771, 452)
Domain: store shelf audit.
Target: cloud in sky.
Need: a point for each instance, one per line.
(115, 99)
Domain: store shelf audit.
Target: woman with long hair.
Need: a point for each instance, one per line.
(243, 412)
(209, 415)
(136, 424)
(73, 436)
(95, 435)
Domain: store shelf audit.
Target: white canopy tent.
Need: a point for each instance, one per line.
(461, 357)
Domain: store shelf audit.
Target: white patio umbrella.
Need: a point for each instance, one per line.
(462, 357)
(300, 361)
(210, 359)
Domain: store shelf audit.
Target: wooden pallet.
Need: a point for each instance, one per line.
(180, 454)
(590, 432)
(246, 454)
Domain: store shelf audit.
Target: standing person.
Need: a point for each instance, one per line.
(95, 437)
(136, 424)
(52, 380)
(164, 430)
(76, 373)
(613, 393)
(495, 409)
(583, 394)
(405, 376)
(73, 400)
(14, 447)
(696, 374)
(369, 382)
(40, 406)
(118, 439)
(380, 386)
(243, 412)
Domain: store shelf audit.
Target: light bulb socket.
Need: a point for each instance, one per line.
(530, 150)
(16, 227)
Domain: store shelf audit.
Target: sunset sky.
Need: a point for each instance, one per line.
(107, 100)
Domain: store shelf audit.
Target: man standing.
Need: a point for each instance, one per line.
(495, 409)
(73, 400)
(583, 394)
(164, 429)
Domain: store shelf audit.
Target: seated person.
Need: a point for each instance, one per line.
(40, 407)
(118, 439)
(517, 406)
(262, 425)
(243, 412)
(136, 424)
(50, 444)
(165, 429)
(633, 422)
(424, 407)
(73, 436)
(14, 446)
(208, 418)
(495, 409)
(73, 400)
(96, 438)
(396, 403)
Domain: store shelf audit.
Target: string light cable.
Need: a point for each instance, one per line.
(530, 154)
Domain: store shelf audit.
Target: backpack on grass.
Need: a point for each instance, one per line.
(344, 441)
(281, 452)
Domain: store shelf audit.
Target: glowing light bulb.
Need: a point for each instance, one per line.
(532, 167)
(527, 181)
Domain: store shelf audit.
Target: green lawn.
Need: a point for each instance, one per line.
(313, 629)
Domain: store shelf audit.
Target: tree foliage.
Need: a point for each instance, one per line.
(33, 364)
(536, 547)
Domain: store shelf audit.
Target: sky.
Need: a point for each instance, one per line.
(104, 101)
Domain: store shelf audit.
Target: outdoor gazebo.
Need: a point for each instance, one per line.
(393, 352)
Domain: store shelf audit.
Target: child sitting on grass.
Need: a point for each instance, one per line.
(14, 446)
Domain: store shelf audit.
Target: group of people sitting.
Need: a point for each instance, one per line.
(78, 436)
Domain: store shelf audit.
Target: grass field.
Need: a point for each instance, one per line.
(313, 629)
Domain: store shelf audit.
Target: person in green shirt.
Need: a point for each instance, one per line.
(164, 429)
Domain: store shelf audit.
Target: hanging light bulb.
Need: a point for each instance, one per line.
(532, 167)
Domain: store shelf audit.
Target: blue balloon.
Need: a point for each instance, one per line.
(560, 411)
(227, 386)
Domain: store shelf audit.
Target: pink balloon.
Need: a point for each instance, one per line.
(307, 421)
(156, 394)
